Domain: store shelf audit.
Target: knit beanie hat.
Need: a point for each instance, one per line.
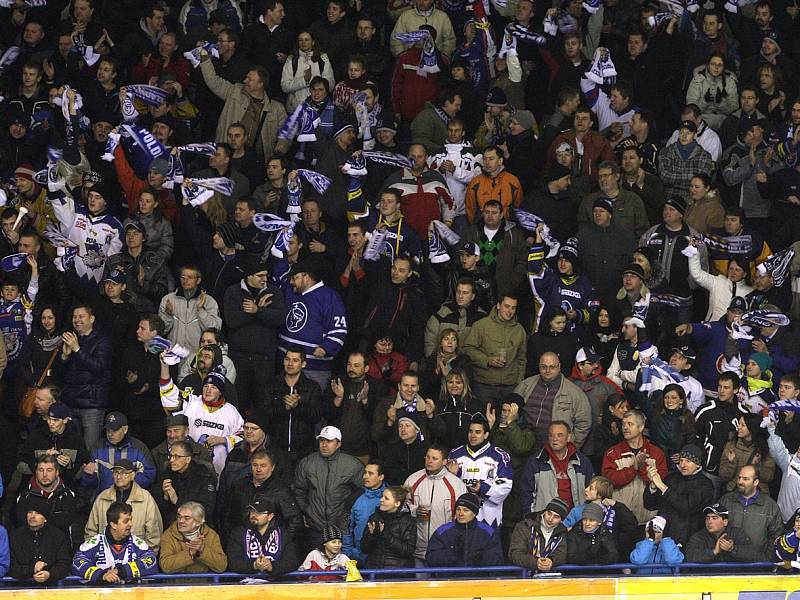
(692, 453)
(569, 250)
(330, 533)
(217, 378)
(604, 203)
(594, 511)
(258, 418)
(25, 171)
(229, 234)
(525, 118)
(470, 501)
(558, 506)
(762, 359)
(556, 172)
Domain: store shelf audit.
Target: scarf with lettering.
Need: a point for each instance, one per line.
(149, 94)
(271, 547)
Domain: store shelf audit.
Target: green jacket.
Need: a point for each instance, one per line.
(519, 442)
(629, 211)
(429, 129)
(487, 338)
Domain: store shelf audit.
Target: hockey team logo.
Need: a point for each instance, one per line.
(296, 317)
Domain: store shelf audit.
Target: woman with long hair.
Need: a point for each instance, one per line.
(749, 448)
(457, 405)
(304, 63)
(391, 535)
(671, 423)
(771, 92)
(45, 337)
(214, 210)
(446, 357)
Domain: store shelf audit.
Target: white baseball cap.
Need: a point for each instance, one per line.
(329, 432)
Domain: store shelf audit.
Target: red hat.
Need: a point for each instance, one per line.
(25, 171)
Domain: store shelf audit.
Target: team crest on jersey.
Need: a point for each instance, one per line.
(296, 317)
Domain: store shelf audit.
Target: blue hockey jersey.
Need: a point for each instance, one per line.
(316, 317)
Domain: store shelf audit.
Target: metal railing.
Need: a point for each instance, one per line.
(498, 572)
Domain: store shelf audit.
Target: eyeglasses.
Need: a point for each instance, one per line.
(549, 367)
(171, 456)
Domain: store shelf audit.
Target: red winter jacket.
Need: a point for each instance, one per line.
(623, 477)
(410, 92)
(425, 198)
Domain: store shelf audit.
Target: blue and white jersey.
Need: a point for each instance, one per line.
(491, 466)
(316, 317)
(133, 559)
(91, 238)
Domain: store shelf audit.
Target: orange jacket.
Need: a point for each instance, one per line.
(504, 188)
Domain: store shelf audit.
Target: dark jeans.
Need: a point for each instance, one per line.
(150, 430)
(253, 372)
(490, 393)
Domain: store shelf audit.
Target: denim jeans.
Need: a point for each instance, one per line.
(323, 378)
(91, 420)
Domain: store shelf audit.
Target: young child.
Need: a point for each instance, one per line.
(329, 556)
(345, 90)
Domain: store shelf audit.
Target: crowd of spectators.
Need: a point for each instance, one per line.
(397, 284)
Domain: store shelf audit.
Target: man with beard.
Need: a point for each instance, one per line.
(349, 405)
(754, 512)
(47, 489)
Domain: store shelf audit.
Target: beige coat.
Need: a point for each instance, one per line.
(236, 103)
(147, 523)
(174, 558)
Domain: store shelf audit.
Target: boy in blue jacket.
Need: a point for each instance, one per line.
(655, 548)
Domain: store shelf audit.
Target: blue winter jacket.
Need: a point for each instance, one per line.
(106, 455)
(474, 544)
(363, 508)
(647, 552)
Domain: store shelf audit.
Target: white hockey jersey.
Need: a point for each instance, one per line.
(204, 421)
(491, 466)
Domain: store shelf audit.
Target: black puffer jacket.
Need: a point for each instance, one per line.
(87, 374)
(394, 546)
(682, 504)
(598, 548)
